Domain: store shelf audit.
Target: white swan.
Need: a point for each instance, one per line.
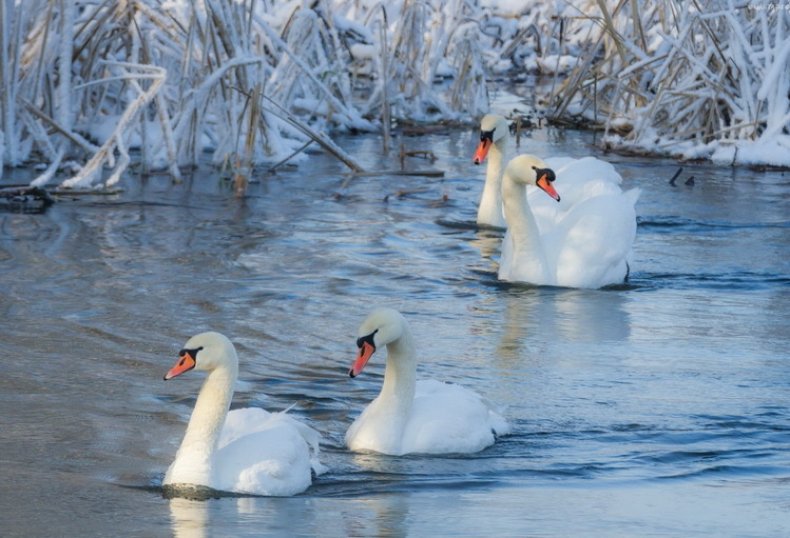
(586, 246)
(494, 135)
(245, 450)
(411, 416)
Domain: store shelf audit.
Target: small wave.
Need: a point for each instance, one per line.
(734, 280)
(492, 231)
(457, 224)
(672, 223)
(724, 471)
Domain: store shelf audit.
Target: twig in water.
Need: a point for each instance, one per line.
(672, 181)
(273, 167)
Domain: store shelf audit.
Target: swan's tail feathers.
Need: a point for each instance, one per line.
(632, 195)
(284, 411)
(317, 467)
(499, 425)
(313, 440)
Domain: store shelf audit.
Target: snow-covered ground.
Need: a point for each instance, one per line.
(248, 83)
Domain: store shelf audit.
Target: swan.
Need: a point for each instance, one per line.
(246, 450)
(586, 246)
(411, 416)
(494, 135)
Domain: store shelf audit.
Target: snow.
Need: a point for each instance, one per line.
(361, 31)
(723, 155)
(557, 63)
(775, 152)
(284, 72)
(509, 8)
(361, 51)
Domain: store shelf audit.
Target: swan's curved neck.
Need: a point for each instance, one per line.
(400, 379)
(523, 229)
(490, 209)
(193, 460)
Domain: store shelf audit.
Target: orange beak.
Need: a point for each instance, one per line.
(365, 352)
(482, 151)
(184, 364)
(544, 183)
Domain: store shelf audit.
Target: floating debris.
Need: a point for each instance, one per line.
(25, 199)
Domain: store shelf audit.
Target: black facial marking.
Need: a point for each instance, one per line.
(548, 172)
(487, 135)
(192, 352)
(369, 339)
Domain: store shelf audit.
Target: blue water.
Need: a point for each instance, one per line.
(657, 408)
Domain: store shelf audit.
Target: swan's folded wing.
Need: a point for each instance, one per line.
(274, 460)
(310, 436)
(450, 418)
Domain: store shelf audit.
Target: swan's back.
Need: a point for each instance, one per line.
(265, 453)
(449, 418)
(598, 236)
(444, 418)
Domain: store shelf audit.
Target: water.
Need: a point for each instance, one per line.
(656, 409)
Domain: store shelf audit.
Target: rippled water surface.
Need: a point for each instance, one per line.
(659, 408)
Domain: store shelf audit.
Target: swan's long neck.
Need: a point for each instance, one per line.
(490, 209)
(400, 380)
(523, 232)
(193, 460)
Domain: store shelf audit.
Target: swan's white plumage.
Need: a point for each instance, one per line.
(585, 243)
(489, 210)
(585, 240)
(431, 428)
(245, 450)
(426, 416)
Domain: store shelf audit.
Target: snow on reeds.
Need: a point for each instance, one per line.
(246, 81)
(88, 86)
(700, 79)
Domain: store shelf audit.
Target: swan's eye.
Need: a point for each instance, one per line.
(191, 352)
(487, 135)
(369, 339)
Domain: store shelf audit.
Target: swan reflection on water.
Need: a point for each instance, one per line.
(378, 515)
(577, 316)
(386, 515)
(188, 518)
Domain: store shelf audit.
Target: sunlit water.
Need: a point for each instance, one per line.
(655, 409)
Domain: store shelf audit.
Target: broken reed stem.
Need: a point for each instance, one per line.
(74, 137)
(385, 102)
(319, 138)
(85, 176)
(275, 166)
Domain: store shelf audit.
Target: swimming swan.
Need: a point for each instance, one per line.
(246, 450)
(411, 416)
(585, 246)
